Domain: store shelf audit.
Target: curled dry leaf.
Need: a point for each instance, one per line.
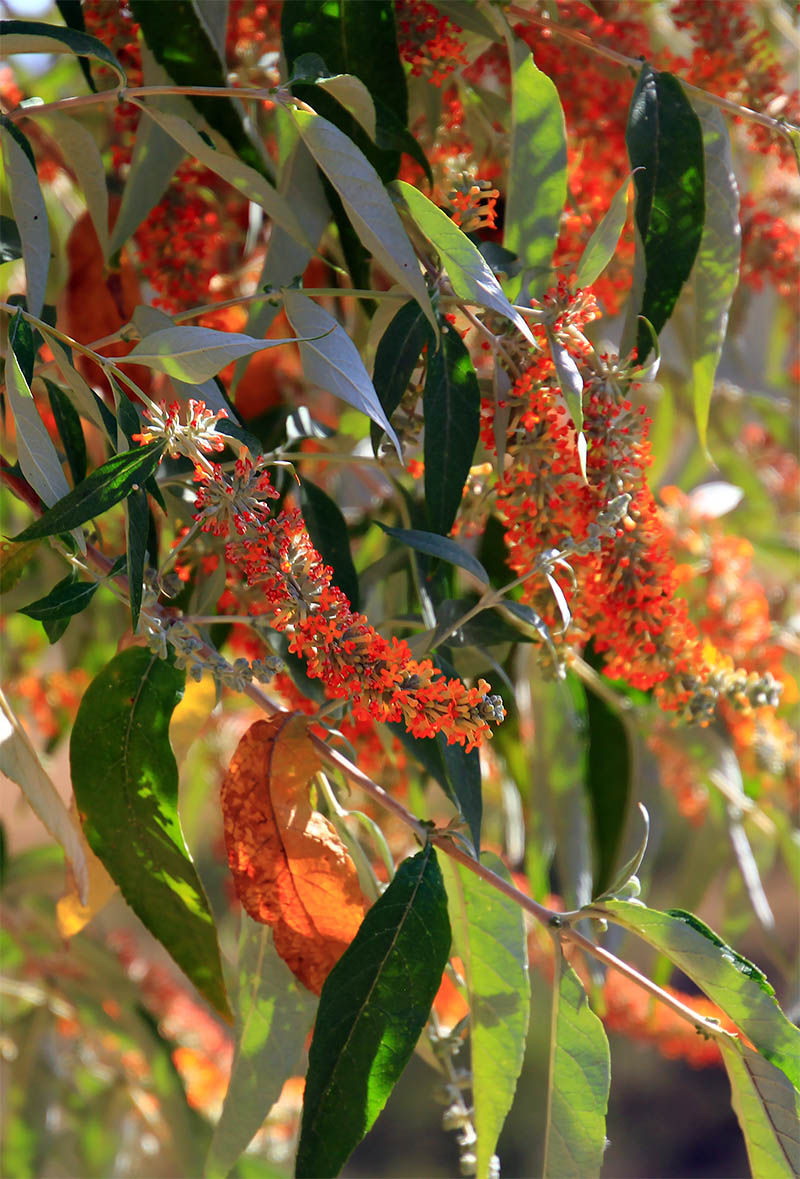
(290, 869)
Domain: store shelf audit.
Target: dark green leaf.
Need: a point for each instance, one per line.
(66, 598)
(439, 546)
(396, 357)
(577, 1097)
(126, 787)
(68, 424)
(665, 146)
(456, 771)
(328, 531)
(137, 535)
(609, 785)
(180, 43)
(72, 13)
(10, 241)
(104, 487)
(736, 985)
(768, 1109)
(33, 36)
(451, 402)
(373, 1007)
(25, 343)
(392, 135)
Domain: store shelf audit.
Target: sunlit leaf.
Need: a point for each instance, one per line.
(73, 913)
(372, 1010)
(194, 354)
(768, 1109)
(66, 598)
(290, 868)
(599, 250)
(28, 207)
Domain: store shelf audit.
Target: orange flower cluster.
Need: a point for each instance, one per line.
(428, 41)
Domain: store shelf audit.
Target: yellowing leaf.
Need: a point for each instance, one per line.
(71, 913)
(191, 714)
(290, 869)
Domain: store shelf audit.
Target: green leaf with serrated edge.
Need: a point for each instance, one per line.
(33, 36)
(578, 1082)
(435, 545)
(470, 275)
(665, 147)
(490, 939)
(180, 42)
(715, 274)
(366, 203)
(609, 782)
(99, 491)
(396, 357)
(328, 531)
(537, 175)
(194, 354)
(331, 360)
(733, 983)
(126, 787)
(69, 429)
(273, 1015)
(768, 1109)
(66, 598)
(10, 241)
(243, 178)
(373, 1007)
(28, 207)
(599, 250)
(80, 152)
(19, 761)
(451, 404)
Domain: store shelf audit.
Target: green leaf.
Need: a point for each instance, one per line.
(470, 275)
(373, 1007)
(599, 250)
(537, 176)
(100, 491)
(396, 357)
(66, 598)
(331, 359)
(273, 1014)
(137, 532)
(85, 399)
(33, 36)
(328, 531)
(10, 241)
(126, 787)
(366, 203)
(69, 428)
(438, 546)
(194, 354)
(25, 342)
(489, 936)
(27, 205)
(451, 404)
(570, 380)
(768, 1109)
(180, 43)
(79, 150)
(665, 146)
(608, 772)
(242, 177)
(72, 13)
(733, 983)
(715, 273)
(456, 771)
(578, 1084)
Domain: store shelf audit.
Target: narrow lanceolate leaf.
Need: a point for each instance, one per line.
(273, 1015)
(241, 176)
(578, 1082)
(290, 868)
(328, 531)
(84, 398)
(734, 984)
(665, 146)
(80, 152)
(102, 489)
(768, 1109)
(609, 785)
(180, 42)
(716, 268)
(489, 937)
(137, 529)
(37, 456)
(372, 1010)
(470, 276)
(28, 207)
(351, 93)
(537, 176)
(66, 598)
(569, 378)
(599, 250)
(69, 429)
(194, 354)
(397, 356)
(451, 403)
(148, 320)
(33, 36)
(457, 772)
(439, 546)
(331, 360)
(20, 762)
(125, 780)
(366, 203)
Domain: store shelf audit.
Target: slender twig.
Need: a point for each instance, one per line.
(126, 93)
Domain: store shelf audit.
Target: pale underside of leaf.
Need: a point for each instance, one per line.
(354, 97)
(83, 397)
(30, 214)
(80, 152)
(148, 320)
(194, 354)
